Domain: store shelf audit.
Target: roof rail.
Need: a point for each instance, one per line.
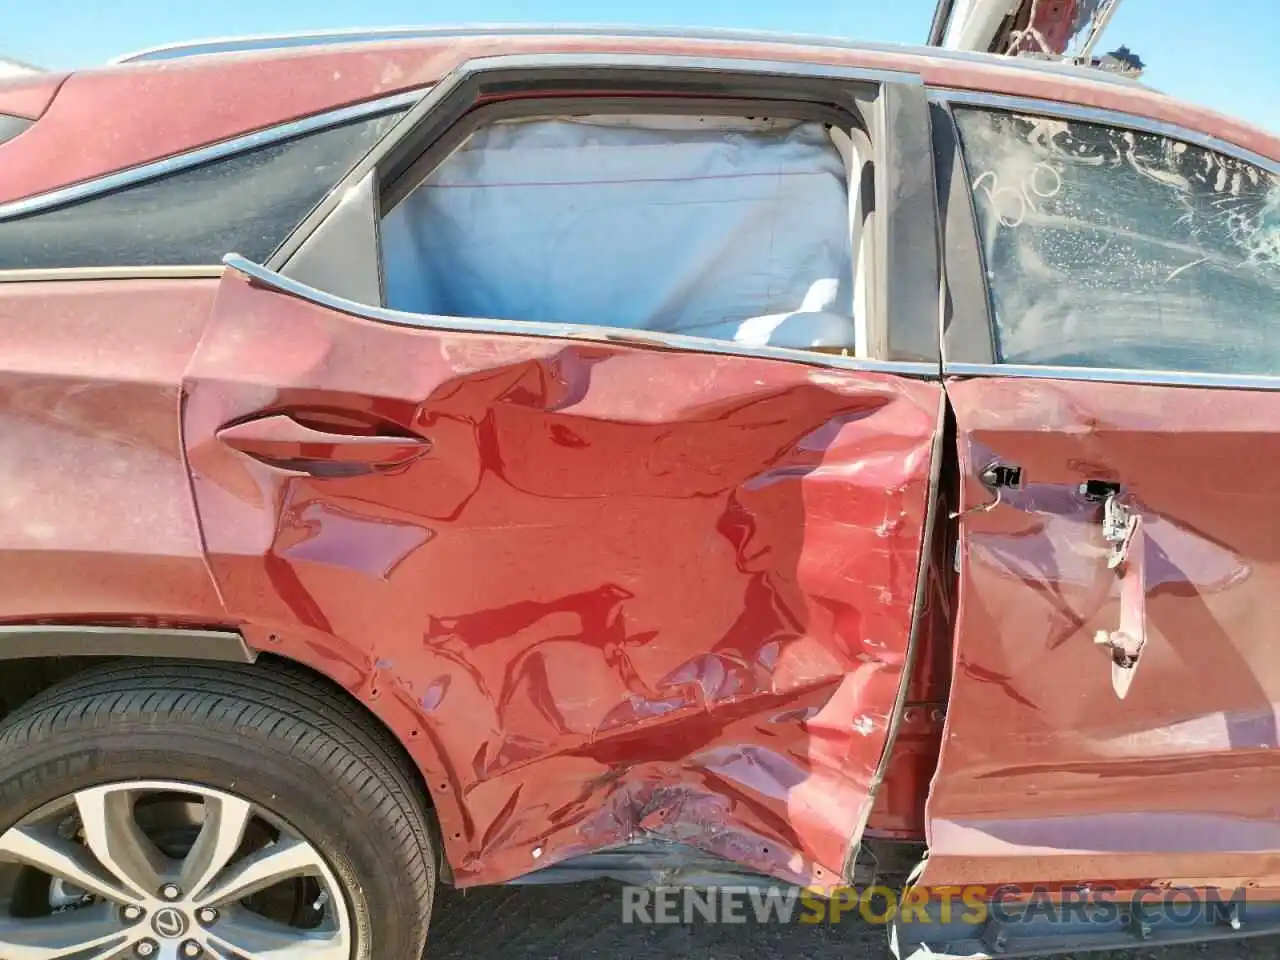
(283, 41)
(278, 41)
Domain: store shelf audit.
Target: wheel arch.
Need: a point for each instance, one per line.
(27, 641)
(39, 656)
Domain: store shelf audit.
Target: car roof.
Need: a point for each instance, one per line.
(285, 41)
(1034, 77)
(184, 96)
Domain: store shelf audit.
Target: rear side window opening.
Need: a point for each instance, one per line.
(746, 229)
(247, 203)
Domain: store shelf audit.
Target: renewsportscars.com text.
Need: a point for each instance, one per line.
(972, 905)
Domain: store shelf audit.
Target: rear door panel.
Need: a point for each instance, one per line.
(625, 592)
(1045, 774)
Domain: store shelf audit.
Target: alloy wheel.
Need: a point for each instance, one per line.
(166, 871)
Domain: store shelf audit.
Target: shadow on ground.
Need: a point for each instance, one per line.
(585, 921)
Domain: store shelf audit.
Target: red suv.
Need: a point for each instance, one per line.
(532, 454)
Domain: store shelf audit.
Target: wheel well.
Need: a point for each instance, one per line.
(27, 677)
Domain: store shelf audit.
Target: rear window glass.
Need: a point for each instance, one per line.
(1109, 247)
(245, 203)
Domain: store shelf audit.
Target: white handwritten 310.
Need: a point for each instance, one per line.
(1012, 203)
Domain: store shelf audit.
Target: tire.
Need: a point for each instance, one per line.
(274, 736)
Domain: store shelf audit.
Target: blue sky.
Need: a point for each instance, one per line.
(1226, 59)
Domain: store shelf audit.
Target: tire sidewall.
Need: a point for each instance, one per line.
(249, 765)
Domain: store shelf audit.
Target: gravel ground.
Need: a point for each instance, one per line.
(584, 922)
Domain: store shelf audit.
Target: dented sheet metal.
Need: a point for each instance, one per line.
(1045, 774)
(628, 593)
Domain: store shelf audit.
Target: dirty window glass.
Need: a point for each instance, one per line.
(1114, 248)
(246, 203)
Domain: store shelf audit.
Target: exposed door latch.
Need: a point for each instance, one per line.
(1119, 527)
(1122, 529)
(996, 477)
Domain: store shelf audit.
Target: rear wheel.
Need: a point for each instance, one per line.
(185, 810)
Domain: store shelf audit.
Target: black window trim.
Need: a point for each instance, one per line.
(221, 150)
(11, 126)
(968, 325)
(198, 265)
(907, 294)
(970, 343)
(475, 82)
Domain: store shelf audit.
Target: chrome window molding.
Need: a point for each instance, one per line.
(567, 331)
(193, 272)
(276, 41)
(202, 155)
(1161, 378)
(1100, 115)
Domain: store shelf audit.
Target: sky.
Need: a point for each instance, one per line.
(1228, 59)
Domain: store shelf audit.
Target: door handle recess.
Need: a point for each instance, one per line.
(280, 441)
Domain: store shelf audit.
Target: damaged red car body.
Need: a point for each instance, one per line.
(965, 567)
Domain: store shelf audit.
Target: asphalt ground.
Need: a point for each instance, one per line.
(585, 921)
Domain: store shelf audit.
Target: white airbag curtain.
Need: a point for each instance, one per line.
(717, 227)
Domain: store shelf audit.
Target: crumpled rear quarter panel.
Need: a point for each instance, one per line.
(629, 592)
